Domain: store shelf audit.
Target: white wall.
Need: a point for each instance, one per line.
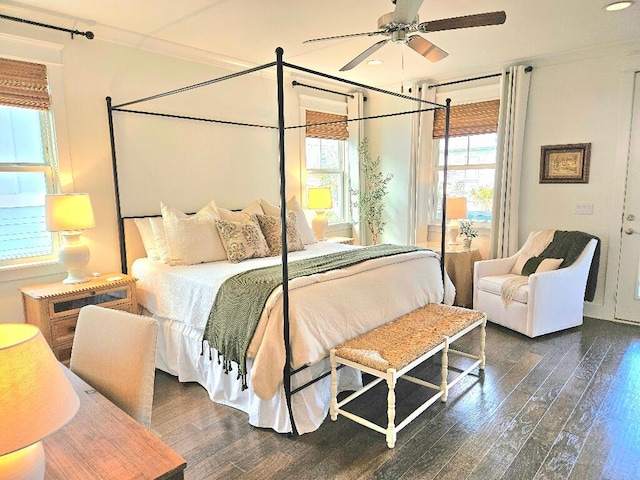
(241, 163)
(570, 102)
(389, 139)
(579, 102)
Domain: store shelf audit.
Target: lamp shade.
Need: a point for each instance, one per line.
(68, 212)
(456, 207)
(320, 198)
(36, 397)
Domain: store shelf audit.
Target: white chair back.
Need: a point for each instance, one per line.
(114, 352)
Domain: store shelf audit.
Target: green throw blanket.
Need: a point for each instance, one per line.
(241, 299)
(569, 245)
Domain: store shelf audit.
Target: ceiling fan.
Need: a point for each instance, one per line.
(399, 24)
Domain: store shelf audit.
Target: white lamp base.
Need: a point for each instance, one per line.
(25, 464)
(453, 231)
(74, 257)
(319, 224)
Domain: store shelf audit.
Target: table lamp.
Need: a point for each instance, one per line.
(69, 214)
(456, 209)
(320, 200)
(36, 399)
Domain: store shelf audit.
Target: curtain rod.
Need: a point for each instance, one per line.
(464, 80)
(298, 84)
(89, 35)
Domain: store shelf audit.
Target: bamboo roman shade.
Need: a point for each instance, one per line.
(23, 84)
(468, 119)
(333, 131)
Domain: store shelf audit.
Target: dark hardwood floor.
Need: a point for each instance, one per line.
(566, 405)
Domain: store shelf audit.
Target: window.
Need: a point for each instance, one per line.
(473, 143)
(471, 173)
(325, 165)
(27, 162)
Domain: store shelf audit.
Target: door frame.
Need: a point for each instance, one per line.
(611, 258)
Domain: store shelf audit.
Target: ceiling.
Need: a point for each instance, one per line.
(250, 31)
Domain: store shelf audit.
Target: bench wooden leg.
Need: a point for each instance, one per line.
(333, 409)
(483, 336)
(391, 408)
(444, 386)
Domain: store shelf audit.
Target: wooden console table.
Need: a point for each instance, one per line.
(103, 442)
(458, 262)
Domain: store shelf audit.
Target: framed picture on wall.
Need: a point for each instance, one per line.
(565, 163)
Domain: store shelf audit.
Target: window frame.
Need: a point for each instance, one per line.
(489, 89)
(48, 167)
(61, 173)
(320, 104)
(435, 211)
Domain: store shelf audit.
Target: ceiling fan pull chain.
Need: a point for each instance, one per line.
(402, 70)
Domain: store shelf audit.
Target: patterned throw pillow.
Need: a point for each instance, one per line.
(271, 227)
(242, 240)
(307, 235)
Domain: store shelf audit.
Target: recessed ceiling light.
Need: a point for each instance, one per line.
(612, 7)
(374, 62)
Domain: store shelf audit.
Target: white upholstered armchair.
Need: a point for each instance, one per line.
(549, 301)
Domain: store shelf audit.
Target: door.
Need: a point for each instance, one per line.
(628, 289)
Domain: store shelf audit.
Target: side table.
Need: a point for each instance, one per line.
(458, 262)
(54, 307)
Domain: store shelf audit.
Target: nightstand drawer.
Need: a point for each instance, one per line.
(62, 331)
(71, 304)
(63, 353)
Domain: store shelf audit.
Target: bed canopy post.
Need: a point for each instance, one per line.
(283, 224)
(114, 164)
(443, 226)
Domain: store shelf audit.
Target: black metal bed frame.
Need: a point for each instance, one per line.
(279, 64)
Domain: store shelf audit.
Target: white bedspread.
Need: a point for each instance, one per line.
(324, 310)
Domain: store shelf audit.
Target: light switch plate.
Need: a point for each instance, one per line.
(583, 209)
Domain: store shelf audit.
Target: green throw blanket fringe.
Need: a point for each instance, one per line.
(241, 299)
(569, 245)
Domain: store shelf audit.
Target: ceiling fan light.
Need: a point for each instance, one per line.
(375, 62)
(615, 6)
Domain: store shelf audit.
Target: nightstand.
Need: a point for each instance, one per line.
(458, 262)
(54, 307)
(343, 240)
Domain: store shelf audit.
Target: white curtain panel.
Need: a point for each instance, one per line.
(422, 175)
(355, 109)
(513, 111)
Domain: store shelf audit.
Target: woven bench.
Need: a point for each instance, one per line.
(391, 350)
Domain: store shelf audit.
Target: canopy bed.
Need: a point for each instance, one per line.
(287, 348)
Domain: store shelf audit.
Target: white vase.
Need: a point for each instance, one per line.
(466, 242)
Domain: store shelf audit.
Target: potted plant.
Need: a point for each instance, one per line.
(467, 232)
(370, 198)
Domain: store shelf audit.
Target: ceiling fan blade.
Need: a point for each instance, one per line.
(370, 34)
(406, 11)
(363, 55)
(479, 20)
(427, 49)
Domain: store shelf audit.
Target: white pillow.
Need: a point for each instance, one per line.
(192, 239)
(240, 216)
(302, 225)
(148, 240)
(160, 239)
(535, 264)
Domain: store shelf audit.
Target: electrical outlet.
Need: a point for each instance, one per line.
(583, 209)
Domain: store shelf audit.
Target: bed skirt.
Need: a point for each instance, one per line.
(178, 354)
